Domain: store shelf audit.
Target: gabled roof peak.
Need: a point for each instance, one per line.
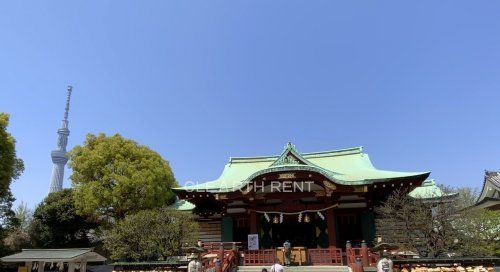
(290, 156)
(289, 145)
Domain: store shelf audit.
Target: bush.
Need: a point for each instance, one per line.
(151, 235)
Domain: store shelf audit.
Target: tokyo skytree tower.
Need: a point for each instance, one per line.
(59, 155)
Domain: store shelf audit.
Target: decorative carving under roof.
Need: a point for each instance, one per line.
(290, 156)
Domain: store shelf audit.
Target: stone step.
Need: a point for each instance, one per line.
(306, 268)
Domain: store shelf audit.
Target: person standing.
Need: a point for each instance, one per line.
(218, 265)
(384, 264)
(195, 264)
(287, 252)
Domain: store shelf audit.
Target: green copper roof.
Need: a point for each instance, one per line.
(55, 255)
(427, 190)
(173, 260)
(347, 166)
(182, 205)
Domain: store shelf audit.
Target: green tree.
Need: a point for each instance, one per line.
(11, 168)
(8, 222)
(477, 232)
(56, 224)
(167, 230)
(114, 176)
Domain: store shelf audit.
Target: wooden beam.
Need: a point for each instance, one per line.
(253, 222)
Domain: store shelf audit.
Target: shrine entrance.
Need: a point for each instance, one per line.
(298, 234)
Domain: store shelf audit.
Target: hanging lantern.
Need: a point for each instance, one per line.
(307, 219)
(276, 220)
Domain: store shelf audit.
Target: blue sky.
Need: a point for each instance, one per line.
(415, 82)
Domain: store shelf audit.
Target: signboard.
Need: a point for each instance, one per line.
(253, 242)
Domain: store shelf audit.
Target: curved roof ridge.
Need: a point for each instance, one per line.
(252, 159)
(335, 152)
(492, 177)
(344, 151)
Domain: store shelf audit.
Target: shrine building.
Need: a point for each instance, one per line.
(490, 193)
(314, 200)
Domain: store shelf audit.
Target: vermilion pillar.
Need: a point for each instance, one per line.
(330, 221)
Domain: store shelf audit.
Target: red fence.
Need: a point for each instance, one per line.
(315, 256)
(363, 253)
(259, 257)
(325, 256)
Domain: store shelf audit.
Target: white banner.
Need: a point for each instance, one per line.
(253, 242)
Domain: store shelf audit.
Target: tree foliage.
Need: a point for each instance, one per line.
(167, 230)
(415, 224)
(24, 215)
(478, 232)
(114, 176)
(11, 168)
(8, 221)
(56, 224)
(19, 238)
(466, 196)
(439, 226)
